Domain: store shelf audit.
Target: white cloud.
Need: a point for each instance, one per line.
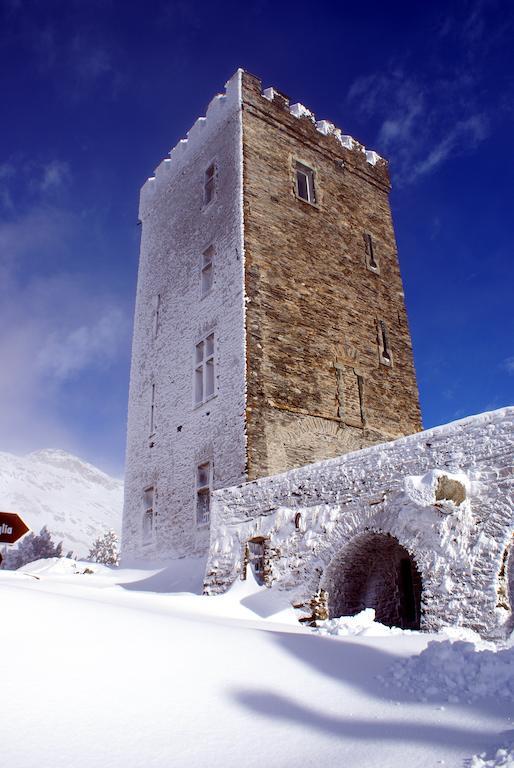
(7, 171)
(464, 136)
(508, 365)
(53, 329)
(424, 116)
(29, 181)
(66, 353)
(55, 174)
(423, 123)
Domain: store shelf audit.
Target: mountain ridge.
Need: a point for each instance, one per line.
(76, 500)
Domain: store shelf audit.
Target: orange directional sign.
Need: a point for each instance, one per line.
(12, 527)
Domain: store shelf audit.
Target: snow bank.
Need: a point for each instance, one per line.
(196, 681)
(456, 671)
(504, 758)
(362, 624)
(62, 566)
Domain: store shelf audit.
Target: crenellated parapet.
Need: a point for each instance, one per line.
(225, 104)
(221, 107)
(347, 147)
(326, 128)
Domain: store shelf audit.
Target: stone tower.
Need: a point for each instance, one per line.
(270, 326)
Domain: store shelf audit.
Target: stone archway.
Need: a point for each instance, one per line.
(375, 571)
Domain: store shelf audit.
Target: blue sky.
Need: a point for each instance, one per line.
(96, 93)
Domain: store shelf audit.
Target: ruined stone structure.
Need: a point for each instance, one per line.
(270, 326)
(420, 528)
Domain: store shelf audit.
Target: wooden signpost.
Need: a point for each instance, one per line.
(12, 528)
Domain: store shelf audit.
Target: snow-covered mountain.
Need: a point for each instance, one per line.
(77, 501)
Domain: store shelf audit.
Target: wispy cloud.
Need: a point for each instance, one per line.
(423, 123)
(65, 353)
(54, 329)
(31, 181)
(7, 171)
(55, 175)
(508, 365)
(463, 137)
(69, 46)
(426, 116)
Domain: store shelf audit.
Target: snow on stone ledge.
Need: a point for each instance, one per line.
(327, 128)
(298, 110)
(362, 624)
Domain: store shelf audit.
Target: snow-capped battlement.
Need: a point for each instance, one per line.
(221, 107)
(325, 127)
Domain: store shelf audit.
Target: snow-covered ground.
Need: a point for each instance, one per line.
(119, 668)
(74, 499)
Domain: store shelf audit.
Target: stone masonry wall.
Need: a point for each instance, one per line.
(316, 383)
(444, 494)
(177, 227)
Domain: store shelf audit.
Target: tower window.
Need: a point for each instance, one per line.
(204, 370)
(371, 261)
(152, 410)
(383, 340)
(305, 183)
(207, 273)
(203, 493)
(209, 185)
(148, 514)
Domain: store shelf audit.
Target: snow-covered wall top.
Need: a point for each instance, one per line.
(222, 103)
(445, 494)
(185, 150)
(327, 128)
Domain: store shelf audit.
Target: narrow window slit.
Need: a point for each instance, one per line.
(371, 260)
(385, 351)
(152, 410)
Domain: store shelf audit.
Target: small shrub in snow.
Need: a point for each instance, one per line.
(32, 547)
(105, 549)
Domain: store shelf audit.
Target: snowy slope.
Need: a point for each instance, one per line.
(74, 499)
(149, 680)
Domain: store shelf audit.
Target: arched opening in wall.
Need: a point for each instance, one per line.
(375, 571)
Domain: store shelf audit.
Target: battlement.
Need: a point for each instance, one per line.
(222, 105)
(220, 108)
(324, 127)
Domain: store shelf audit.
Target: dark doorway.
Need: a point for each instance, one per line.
(256, 555)
(375, 571)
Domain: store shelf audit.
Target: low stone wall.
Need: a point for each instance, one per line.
(444, 495)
